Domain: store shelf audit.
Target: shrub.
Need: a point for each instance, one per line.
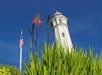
(4, 71)
(8, 70)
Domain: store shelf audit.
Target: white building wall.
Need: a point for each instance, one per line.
(61, 31)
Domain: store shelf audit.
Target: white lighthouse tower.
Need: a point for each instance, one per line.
(61, 32)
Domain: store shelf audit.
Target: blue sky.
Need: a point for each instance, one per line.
(84, 20)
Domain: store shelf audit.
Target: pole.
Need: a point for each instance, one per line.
(21, 46)
(20, 59)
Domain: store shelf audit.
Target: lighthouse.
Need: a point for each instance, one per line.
(61, 32)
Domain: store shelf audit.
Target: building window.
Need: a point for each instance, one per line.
(60, 21)
(63, 34)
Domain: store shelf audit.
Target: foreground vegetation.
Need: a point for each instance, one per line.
(8, 70)
(56, 61)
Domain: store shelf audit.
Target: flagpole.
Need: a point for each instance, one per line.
(20, 46)
(20, 59)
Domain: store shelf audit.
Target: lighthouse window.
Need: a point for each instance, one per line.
(63, 34)
(60, 20)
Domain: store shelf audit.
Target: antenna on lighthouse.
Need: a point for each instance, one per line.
(21, 46)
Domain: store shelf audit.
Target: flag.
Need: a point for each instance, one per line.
(21, 43)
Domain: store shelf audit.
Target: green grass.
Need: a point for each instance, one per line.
(56, 61)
